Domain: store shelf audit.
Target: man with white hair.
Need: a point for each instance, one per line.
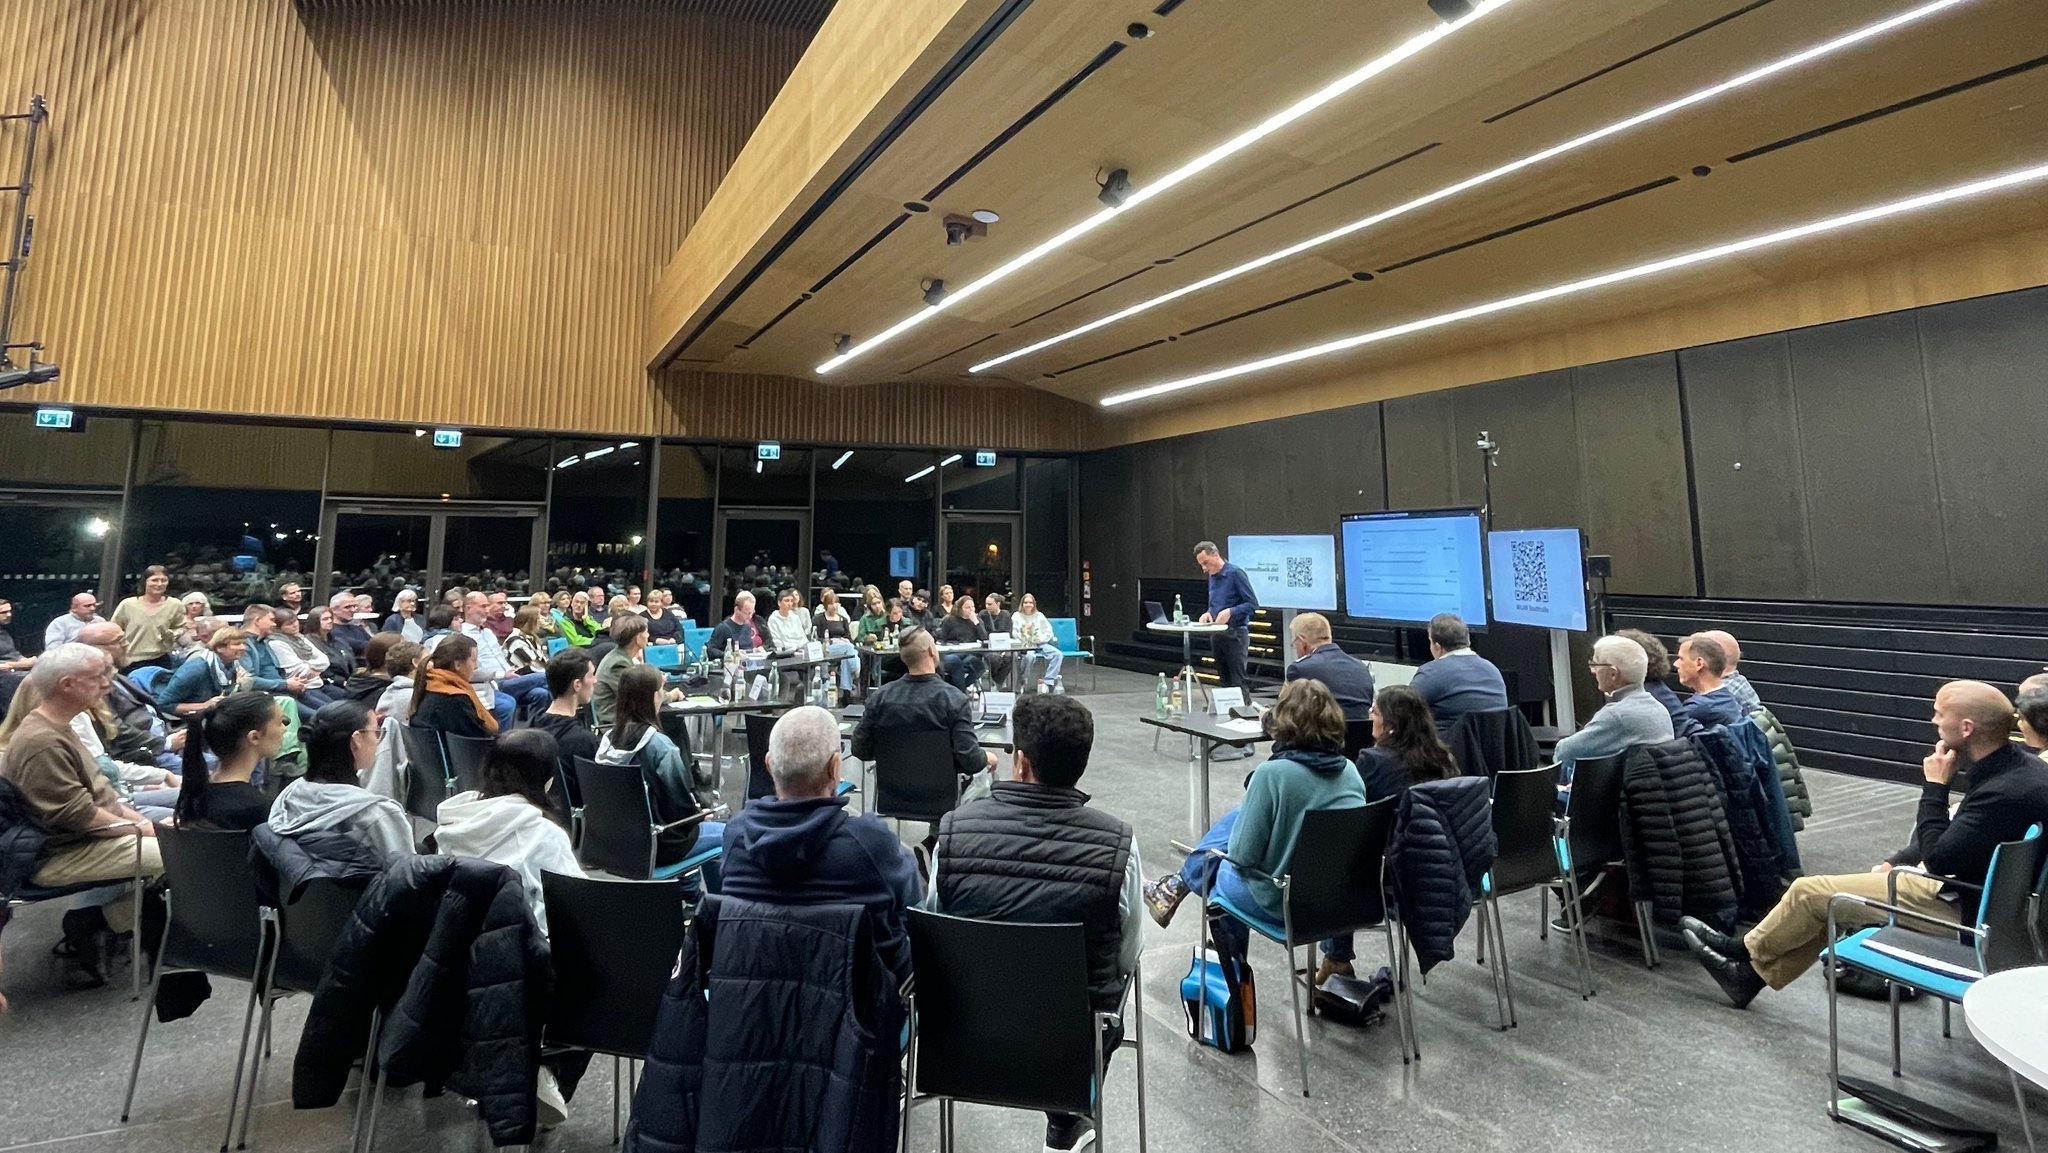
(803, 848)
(92, 835)
(1630, 716)
(1738, 686)
(346, 629)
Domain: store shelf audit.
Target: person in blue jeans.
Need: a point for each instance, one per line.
(1306, 772)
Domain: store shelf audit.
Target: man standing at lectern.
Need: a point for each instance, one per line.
(1231, 604)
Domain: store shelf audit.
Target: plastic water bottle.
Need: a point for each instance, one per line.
(1159, 698)
(974, 703)
(832, 694)
(1177, 704)
(1180, 615)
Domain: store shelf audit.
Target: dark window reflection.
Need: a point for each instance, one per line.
(233, 511)
(683, 519)
(53, 551)
(406, 464)
(969, 486)
(91, 454)
(869, 510)
(598, 515)
(744, 479)
(1049, 484)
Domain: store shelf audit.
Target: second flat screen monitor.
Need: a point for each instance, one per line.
(1289, 572)
(1410, 566)
(1539, 577)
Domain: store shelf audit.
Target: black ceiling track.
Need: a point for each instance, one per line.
(1887, 110)
(1314, 196)
(1082, 297)
(772, 322)
(1589, 77)
(1037, 110)
(1106, 359)
(857, 253)
(1280, 303)
(944, 355)
(998, 22)
(1524, 226)
(1166, 7)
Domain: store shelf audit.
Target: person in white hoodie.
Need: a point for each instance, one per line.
(341, 743)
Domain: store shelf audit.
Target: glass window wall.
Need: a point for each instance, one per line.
(683, 517)
(874, 521)
(597, 515)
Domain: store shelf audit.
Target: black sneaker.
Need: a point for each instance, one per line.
(1073, 1135)
(81, 948)
(1730, 947)
(1738, 980)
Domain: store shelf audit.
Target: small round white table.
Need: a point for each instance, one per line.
(1187, 638)
(2008, 1014)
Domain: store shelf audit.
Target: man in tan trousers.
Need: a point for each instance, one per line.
(2008, 792)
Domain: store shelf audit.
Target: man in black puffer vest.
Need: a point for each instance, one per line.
(1032, 851)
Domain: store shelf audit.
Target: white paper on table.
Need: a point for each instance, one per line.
(758, 690)
(998, 703)
(1248, 728)
(813, 651)
(1221, 701)
(999, 641)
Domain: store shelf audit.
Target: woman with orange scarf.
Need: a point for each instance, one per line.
(443, 698)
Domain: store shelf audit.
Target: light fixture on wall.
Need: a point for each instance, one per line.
(98, 527)
(954, 459)
(1194, 167)
(843, 458)
(1286, 252)
(1572, 288)
(920, 474)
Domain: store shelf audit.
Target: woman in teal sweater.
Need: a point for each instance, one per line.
(1307, 772)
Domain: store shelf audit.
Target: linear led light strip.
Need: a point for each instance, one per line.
(1185, 172)
(1702, 96)
(1703, 256)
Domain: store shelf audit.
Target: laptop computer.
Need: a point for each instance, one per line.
(1155, 613)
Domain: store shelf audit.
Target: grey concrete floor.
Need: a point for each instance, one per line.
(1656, 1060)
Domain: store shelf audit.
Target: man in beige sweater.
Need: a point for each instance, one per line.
(93, 835)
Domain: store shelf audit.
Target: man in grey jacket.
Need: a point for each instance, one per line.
(1630, 716)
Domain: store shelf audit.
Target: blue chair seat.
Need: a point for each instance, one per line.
(1257, 921)
(845, 787)
(1856, 950)
(694, 861)
(556, 644)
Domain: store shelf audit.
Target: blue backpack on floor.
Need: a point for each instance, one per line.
(1221, 1001)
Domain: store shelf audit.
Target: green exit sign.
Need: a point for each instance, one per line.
(55, 418)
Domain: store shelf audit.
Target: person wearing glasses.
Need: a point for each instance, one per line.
(1631, 716)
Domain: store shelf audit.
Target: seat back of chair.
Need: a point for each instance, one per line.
(556, 644)
(1525, 823)
(1066, 633)
(426, 769)
(215, 916)
(310, 928)
(147, 676)
(694, 640)
(1335, 878)
(466, 759)
(1595, 811)
(1003, 1016)
(759, 783)
(663, 656)
(915, 777)
(618, 819)
(2006, 936)
(1357, 738)
(1484, 723)
(613, 945)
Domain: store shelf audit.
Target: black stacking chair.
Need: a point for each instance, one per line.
(1000, 1016)
(614, 944)
(1592, 840)
(425, 771)
(304, 932)
(915, 777)
(213, 924)
(466, 759)
(759, 783)
(619, 833)
(1526, 825)
(1335, 884)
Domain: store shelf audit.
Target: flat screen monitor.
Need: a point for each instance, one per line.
(1409, 566)
(1539, 577)
(1289, 572)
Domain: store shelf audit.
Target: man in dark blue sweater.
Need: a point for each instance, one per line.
(1317, 658)
(1701, 663)
(1231, 604)
(1458, 680)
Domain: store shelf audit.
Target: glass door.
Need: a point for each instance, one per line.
(377, 553)
(488, 551)
(380, 549)
(762, 551)
(981, 555)
(55, 549)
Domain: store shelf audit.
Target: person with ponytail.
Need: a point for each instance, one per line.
(340, 743)
(443, 697)
(241, 732)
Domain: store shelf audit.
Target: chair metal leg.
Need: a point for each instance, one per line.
(256, 1069)
(1828, 970)
(2019, 1097)
(241, 1060)
(1945, 1034)
(135, 932)
(615, 1100)
(376, 1113)
(1294, 984)
(1485, 936)
(1575, 915)
(141, 1037)
(1892, 995)
(1543, 913)
(1407, 991)
(1503, 988)
(1137, 1014)
(1646, 926)
(1394, 974)
(946, 1126)
(367, 1085)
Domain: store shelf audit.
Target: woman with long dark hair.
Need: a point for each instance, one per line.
(635, 738)
(510, 818)
(340, 743)
(443, 697)
(241, 732)
(1405, 749)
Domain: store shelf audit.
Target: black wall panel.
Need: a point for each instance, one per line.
(1987, 377)
(1632, 467)
(1421, 442)
(1871, 502)
(1748, 470)
(1110, 542)
(1536, 482)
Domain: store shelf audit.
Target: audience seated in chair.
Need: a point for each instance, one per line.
(1657, 673)
(1034, 851)
(347, 629)
(242, 733)
(206, 677)
(134, 731)
(789, 626)
(1306, 772)
(2008, 792)
(260, 659)
(1457, 680)
(834, 628)
(371, 677)
(300, 657)
(738, 629)
(1631, 716)
(572, 680)
(919, 701)
(803, 848)
(1033, 630)
(1405, 749)
(406, 619)
(577, 625)
(14, 667)
(91, 833)
(629, 651)
(327, 803)
(1738, 686)
(961, 625)
(341, 660)
(85, 610)
(510, 820)
(500, 688)
(635, 738)
(1701, 664)
(444, 693)
(2032, 708)
(1317, 657)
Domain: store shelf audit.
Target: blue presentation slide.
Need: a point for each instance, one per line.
(903, 563)
(1539, 578)
(1289, 572)
(1412, 566)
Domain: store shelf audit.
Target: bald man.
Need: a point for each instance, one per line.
(1738, 686)
(2008, 792)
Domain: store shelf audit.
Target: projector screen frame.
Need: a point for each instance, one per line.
(1486, 539)
(1344, 572)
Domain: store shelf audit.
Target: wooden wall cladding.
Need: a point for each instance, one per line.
(963, 415)
(430, 213)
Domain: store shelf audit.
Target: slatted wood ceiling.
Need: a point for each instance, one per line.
(792, 13)
(382, 212)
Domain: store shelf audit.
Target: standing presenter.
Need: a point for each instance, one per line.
(1231, 604)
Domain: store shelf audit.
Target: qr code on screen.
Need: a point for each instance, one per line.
(1301, 572)
(1532, 575)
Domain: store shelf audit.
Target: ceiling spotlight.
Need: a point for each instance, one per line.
(1451, 11)
(842, 342)
(957, 231)
(1137, 31)
(37, 372)
(984, 216)
(1116, 188)
(934, 292)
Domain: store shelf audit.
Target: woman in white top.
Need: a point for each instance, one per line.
(789, 627)
(508, 820)
(1034, 630)
(833, 626)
